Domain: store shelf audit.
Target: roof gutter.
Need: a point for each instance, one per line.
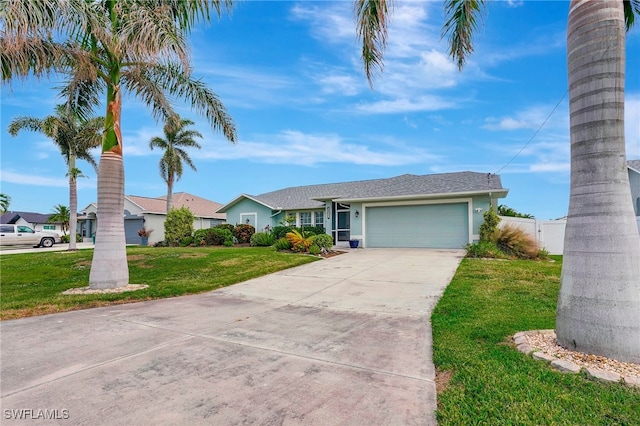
(497, 193)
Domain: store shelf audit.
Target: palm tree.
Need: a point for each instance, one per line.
(75, 137)
(599, 301)
(112, 46)
(62, 215)
(5, 200)
(176, 136)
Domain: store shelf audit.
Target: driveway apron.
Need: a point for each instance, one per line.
(342, 341)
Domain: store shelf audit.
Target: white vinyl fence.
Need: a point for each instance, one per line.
(548, 233)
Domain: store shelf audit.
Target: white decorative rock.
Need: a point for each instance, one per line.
(632, 381)
(541, 356)
(565, 366)
(607, 376)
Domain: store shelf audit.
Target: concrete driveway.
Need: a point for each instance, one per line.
(342, 341)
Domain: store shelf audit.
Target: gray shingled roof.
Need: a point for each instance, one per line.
(634, 164)
(305, 197)
(13, 217)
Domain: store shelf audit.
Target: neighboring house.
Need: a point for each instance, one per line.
(435, 211)
(633, 166)
(35, 221)
(150, 213)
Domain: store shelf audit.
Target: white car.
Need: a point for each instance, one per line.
(20, 235)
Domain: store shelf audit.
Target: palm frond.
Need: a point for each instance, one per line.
(178, 82)
(138, 81)
(461, 20)
(631, 8)
(371, 22)
(184, 156)
(186, 138)
(28, 34)
(148, 33)
(158, 142)
(82, 92)
(24, 123)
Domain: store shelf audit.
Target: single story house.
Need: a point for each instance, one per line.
(434, 211)
(150, 213)
(35, 221)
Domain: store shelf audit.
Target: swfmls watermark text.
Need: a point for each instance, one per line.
(35, 414)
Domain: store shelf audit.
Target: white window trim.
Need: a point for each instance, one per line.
(255, 218)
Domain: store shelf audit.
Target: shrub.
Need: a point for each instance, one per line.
(515, 242)
(313, 230)
(186, 241)
(263, 239)
(281, 231)
(227, 226)
(282, 244)
(543, 253)
(67, 237)
(489, 226)
(200, 236)
(299, 241)
(484, 249)
(243, 233)
(219, 236)
(314, 250)
(179, 225)
(323, 241)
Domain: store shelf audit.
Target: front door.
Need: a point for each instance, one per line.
(343, 223)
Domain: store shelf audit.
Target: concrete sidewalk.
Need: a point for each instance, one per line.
(5, 250)
(342, 341)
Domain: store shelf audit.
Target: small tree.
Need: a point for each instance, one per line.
(504, 210)
(5, 200)
(489, 226)
(178, 226)
(62, 215)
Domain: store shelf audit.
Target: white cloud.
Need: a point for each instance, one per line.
(402, 105)
(47, 181)
(344, 84)
(515, 3)
(295, 147)
(530, 118)
(333, 23)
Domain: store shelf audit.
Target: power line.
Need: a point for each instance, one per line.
(536, 133)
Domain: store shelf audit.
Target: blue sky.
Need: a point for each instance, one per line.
(290, 75)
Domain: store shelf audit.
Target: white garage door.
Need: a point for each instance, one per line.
(428, 226)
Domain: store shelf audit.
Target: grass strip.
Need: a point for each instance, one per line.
(32, 283)
(489, 382)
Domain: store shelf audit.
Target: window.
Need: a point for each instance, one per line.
(305, 219)
(319, 218)
(25, 229)
(6, 229)
(49, 227)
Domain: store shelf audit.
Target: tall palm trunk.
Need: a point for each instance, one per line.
(109, 267)
(599, 301)
(169, 193)
(73, 202)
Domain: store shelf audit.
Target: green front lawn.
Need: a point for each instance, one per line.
(32, 283)
(491, 383)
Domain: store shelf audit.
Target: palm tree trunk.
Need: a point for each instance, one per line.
(73, 203)
(109, 267)
(169, 193)
(599, 301)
